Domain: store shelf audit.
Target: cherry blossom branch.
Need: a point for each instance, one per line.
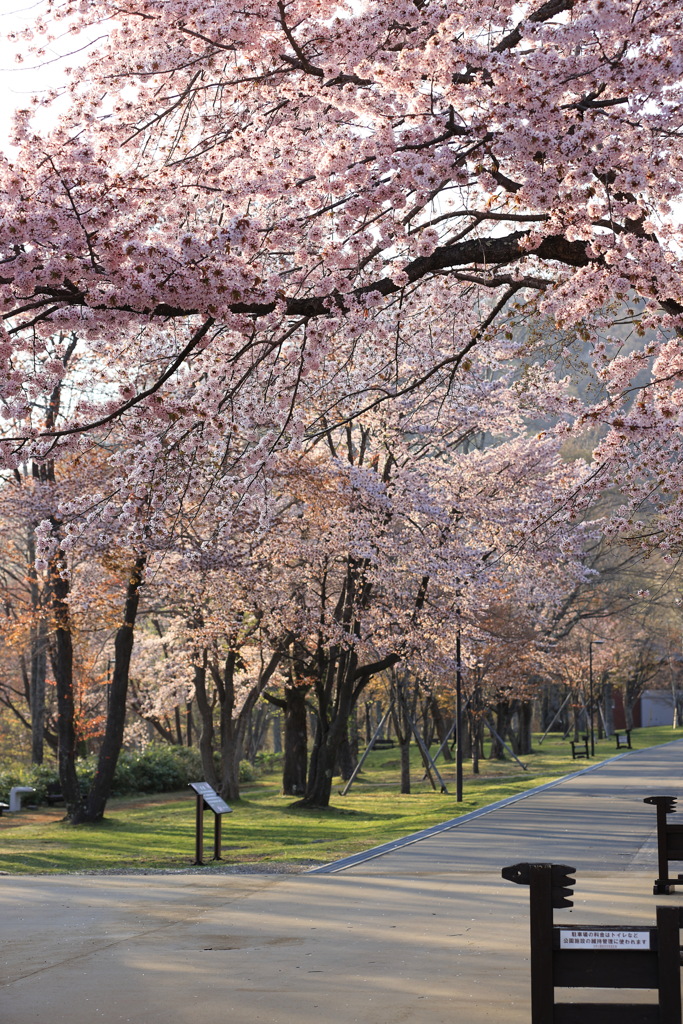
(199, 334)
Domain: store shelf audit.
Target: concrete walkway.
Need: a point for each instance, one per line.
(427, 933)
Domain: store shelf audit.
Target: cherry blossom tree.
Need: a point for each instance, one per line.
(240, 194)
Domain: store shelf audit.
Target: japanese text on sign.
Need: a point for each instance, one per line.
(587, 938)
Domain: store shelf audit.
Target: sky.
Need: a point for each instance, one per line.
(18, 82)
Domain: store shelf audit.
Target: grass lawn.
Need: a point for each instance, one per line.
(158, 832)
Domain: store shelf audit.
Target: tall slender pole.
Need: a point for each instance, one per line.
(590, 694)
(590, 690)
(458, 716)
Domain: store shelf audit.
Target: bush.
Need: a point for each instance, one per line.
(13, 775)
(158, 769)
(247, 772)
(268, 761)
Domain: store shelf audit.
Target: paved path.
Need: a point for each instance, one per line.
(427, 933)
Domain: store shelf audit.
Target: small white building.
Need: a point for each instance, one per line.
(657, 707)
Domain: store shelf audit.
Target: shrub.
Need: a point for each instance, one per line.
(268, 761)
(13, 775)
(158, 769)
(247, 772)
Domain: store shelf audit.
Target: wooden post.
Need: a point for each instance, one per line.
(541, 929)
(669, 965)
(199, 831)
(217, 836)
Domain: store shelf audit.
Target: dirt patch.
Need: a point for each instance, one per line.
(26, 816)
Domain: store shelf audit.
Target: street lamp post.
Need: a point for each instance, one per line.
(590, 690)
(458, 717)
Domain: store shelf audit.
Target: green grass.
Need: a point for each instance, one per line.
(158, 832)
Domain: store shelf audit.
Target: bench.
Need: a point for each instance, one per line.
(384, 744)
(623, 739)
(580, 748)
(3, 807)
(52, 794)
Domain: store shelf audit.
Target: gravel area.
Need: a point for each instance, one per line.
(288, 868)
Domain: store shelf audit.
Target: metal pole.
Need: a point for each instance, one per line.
(590, 693)
(556, 716)
(458, 716)
(369, 747)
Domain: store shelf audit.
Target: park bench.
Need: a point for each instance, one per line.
(3, 807)
(52, 794)
(384, 744)
(580, 748)
(623, 739)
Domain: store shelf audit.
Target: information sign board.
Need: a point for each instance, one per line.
(211, 797)
(604, 938)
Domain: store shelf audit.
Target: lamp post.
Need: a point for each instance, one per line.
(590, 690)
(458, 716)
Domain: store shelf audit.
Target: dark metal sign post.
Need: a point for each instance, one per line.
(207, 796)
(602, 956)
(669, 843)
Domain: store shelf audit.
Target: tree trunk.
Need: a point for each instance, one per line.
(502, 723)
(403, 731)
(277, 734)
(189, 723)
(38, 640)
(346, 761)
(231, 752)
(525, 712)
(296, 741)
(112, 741)
(608, 704)
(206, 733)
(321, 767)
(295, 760)
(38, 657)
(63, 673)
(256, 731)
(441, 726)
(404, 746)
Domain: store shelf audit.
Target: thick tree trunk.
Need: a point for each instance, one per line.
(502, 723)
(96, 801)
(526, 710)
(346, 761)
(296, 741)
(63, 673)
(321, 767)
(231, 752)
